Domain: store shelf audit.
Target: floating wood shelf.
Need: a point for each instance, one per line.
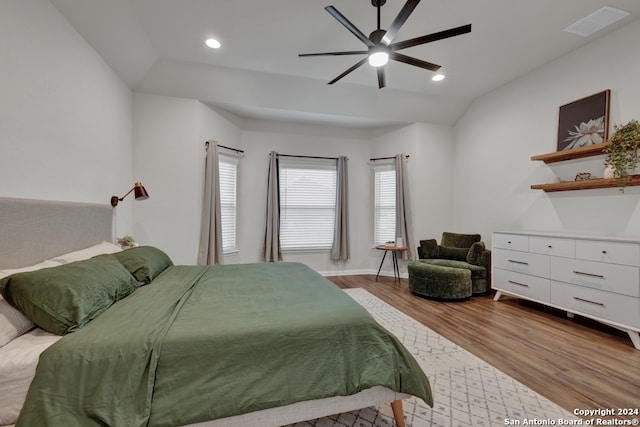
(589, 184)
(575, 153)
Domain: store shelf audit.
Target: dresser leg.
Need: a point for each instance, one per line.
(497, 296)
(635, 338)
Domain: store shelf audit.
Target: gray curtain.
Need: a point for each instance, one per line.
(271, 250)
(210, 249)
(340, 250)
(404, 224)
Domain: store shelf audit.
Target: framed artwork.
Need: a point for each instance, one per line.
(584, 122)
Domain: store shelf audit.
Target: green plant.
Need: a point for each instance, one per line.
(126, 241)
(622, 154)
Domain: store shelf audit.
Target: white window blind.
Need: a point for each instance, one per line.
(227, 169)
(385, 203)
(307, 203)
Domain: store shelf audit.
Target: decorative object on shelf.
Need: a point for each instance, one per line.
(622, 154)
(127, 242)
(608, 172)
(584, 122)
(582, 176)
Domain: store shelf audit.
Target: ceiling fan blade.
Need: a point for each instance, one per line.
(348, 25)
(413, 61)
(358, 64)
(381, 78)
(352, 52)
(432, 37)
(406, 10)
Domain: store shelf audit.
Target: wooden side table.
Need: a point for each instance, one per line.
(394, 254)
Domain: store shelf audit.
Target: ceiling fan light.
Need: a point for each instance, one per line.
(438, 77)
(378, 59)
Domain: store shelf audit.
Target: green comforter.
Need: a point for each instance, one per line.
(201, 343)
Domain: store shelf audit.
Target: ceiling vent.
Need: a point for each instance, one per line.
(599, 19)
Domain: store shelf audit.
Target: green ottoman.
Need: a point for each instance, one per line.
(439, 282)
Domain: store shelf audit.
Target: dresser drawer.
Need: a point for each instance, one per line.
(552, 246)
(514, 242)
(592, 302)
(611, 252)
(621, 279)
(521, 262)
(536, 288)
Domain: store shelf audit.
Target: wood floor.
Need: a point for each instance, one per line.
(576, 363)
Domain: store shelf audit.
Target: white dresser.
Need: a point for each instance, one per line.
(595, 277)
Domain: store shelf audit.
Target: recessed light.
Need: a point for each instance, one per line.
(212, 43)
(438, 77)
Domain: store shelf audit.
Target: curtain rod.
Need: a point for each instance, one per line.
(228, 148)
(386, 158)
(307, 157)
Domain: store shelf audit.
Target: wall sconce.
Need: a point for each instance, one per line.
(138, 190)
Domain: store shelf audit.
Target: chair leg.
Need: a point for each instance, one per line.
(398, 413)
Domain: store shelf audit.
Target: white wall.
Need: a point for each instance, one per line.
(501, 131)
(169, 135)
(307, 140)
(65, 117)
(430, 149)
(168, 156)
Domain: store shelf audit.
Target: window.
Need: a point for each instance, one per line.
(307, 204)
(385, 203)
(227, 169)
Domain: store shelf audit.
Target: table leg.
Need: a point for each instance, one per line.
(379, 268)
(396, 269)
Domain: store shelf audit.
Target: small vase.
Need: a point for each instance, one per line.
(608, 172)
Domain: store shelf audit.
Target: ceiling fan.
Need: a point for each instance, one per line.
(380, 49)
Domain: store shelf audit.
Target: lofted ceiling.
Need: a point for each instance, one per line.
(157, 46)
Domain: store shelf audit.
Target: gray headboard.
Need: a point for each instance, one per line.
(34, 230)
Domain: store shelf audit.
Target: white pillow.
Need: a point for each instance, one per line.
(12, 322)
(90, 252)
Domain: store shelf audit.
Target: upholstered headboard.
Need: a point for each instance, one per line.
(34, 230)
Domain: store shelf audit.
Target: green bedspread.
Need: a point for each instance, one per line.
(201, 343)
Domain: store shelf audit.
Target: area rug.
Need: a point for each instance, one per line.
(466, 391)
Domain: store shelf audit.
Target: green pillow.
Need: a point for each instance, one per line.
(458, 254)
(144, 262)
(429, 248)
(475, 253)
(63, 299)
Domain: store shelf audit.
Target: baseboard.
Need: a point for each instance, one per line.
(358, 272)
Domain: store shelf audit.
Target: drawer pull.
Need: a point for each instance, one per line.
(518, 262)
(590, 302)
(519, 284)
(599, 276)
(604, 252)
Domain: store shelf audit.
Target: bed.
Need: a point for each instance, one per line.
(254, 336)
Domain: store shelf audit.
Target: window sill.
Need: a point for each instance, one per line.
(305, 250)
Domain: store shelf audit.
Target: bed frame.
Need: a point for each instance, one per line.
(34, 230)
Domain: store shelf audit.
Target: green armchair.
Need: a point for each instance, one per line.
(461, 251)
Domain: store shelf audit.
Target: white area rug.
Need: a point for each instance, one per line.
(466, 391)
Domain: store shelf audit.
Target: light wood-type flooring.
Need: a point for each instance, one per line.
(576, 363)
